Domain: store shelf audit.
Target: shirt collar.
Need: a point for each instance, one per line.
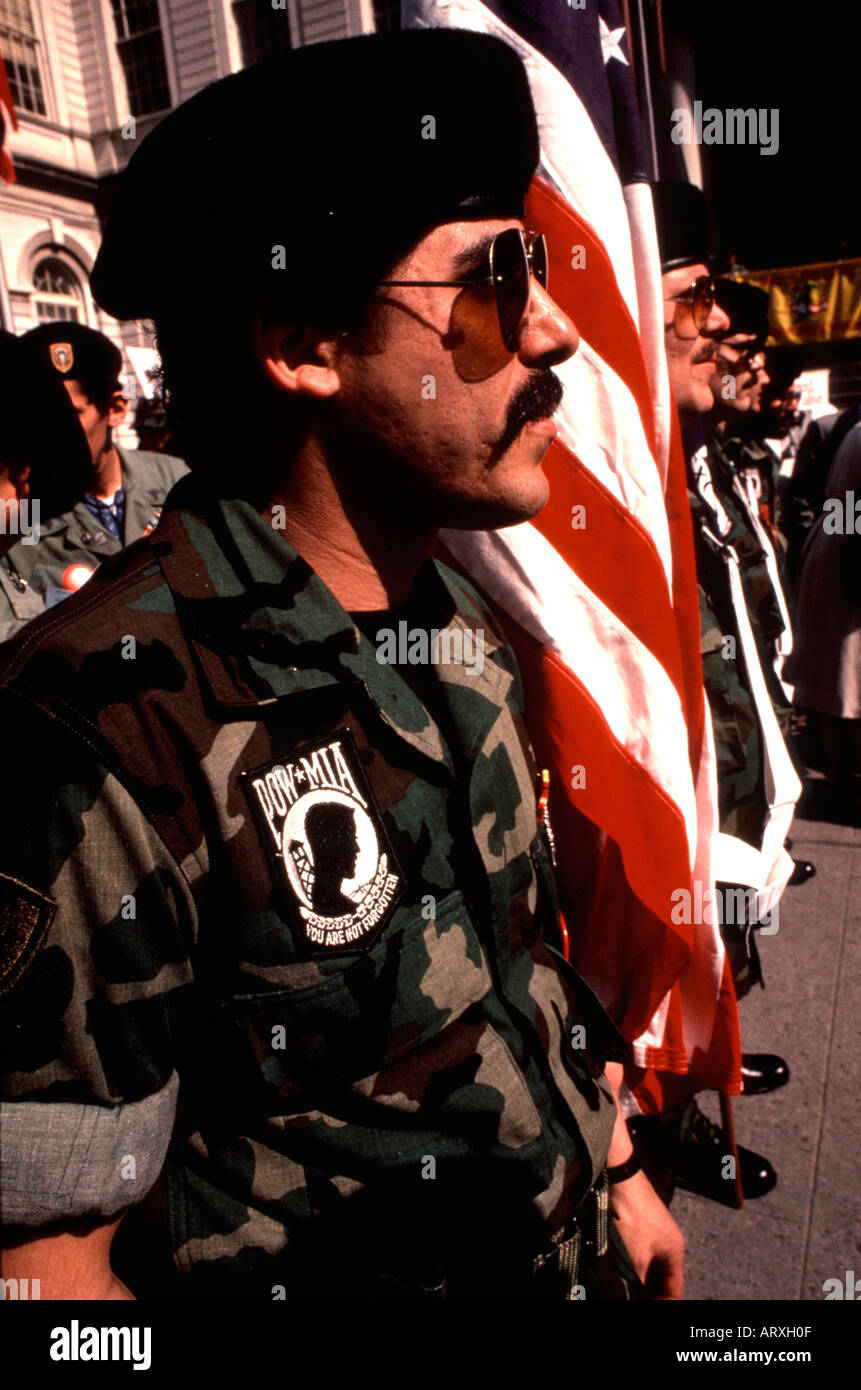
(262, 625)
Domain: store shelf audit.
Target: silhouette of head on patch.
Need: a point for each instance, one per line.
(330, 829)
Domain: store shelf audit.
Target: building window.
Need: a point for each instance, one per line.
(58, 294)
(262, 30)
(387, 15)
(19, 48)
(141, 51)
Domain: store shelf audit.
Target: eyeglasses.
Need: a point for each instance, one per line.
(513, 255)
(700, 299)
(743, 357)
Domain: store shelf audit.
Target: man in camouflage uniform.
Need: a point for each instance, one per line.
(743, 471)
(274, 906)
(124, 499)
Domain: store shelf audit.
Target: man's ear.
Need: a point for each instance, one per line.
(117, 409)
(298, 359)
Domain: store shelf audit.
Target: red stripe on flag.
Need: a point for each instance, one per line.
(568, 729)
(623, 939)
(7, 117)
(657, 1090)
(612, 554)
(591, 296)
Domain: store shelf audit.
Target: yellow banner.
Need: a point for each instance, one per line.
(812, 303)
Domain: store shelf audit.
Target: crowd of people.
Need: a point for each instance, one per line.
(308, 1075)
(752, 507)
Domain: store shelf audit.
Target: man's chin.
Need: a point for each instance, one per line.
(493, 514)
(701, 398)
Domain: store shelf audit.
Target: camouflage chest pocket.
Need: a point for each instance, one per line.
(380, 1008)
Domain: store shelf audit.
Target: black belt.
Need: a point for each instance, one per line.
(551, 1275)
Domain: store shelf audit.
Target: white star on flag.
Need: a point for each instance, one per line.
(610, 42)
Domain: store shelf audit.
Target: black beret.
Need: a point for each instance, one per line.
(344, 154)
(745, 305)
(39, 429)
(78, 353)
(682, 222)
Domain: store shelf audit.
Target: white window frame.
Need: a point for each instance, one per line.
(118, 86)
(47, 253)
(45, 58)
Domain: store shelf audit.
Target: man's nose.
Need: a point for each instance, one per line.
(716, 323)
(547, 335)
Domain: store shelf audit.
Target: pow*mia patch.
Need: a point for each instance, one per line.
(62, 356)
(327, 845)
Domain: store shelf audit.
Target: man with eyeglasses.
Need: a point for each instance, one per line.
(693, 321)
(278, 914)
(701, 366)
(744, 471)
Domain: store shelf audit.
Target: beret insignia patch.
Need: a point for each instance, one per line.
(62, 356)
(330, 856)
(25, 916)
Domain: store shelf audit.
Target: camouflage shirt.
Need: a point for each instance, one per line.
(263, 912)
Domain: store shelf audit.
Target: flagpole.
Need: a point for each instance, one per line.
(638, 42)
(727, 1120)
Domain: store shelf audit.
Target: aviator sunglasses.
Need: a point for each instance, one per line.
(700, 299)
(512, 256)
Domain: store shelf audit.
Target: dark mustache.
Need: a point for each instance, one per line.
(535, 399)
(705, 354)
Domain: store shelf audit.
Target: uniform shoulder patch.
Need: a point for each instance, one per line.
(330, 855)
(25, 916)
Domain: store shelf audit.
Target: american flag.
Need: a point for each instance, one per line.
(599, 592)
(8, 120)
